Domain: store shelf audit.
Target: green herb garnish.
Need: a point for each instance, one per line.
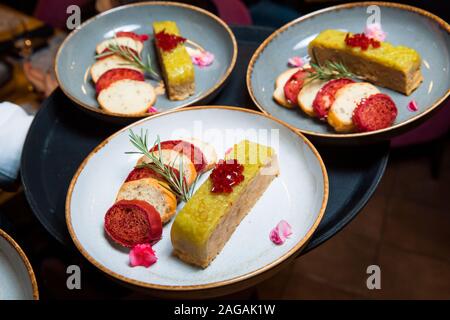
(176, 182)
(132, 58)
(329, 71)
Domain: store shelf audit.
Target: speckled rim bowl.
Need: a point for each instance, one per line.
(77, 52)
(299, 195)
(21, 282)
(419, 29)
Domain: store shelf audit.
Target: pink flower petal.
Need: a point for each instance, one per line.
(281, 231)
(200, 58)
(152, 110)
(285, 228)
(375, 32)
(276, 237)
(412, 106)
(295, 62)
(142, 255)
(228, 150)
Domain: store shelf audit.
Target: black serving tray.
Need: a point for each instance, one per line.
(61, 136)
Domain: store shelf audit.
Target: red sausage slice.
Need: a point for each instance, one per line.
(113, 75)
(376, 112)
(132, 35)
(142, 173)
(146, 172)
(294, 85)
(325, 97)
(132, 222)
(188, 149)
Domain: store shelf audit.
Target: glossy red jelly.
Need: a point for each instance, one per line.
(362, 41)
(226, 175)
(167, 41)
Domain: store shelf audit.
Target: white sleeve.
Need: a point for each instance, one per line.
(14, 125)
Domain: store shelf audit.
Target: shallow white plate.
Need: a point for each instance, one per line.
(404, 25)
(17, 280)
(299, 195)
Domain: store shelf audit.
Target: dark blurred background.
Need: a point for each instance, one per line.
(263, 12)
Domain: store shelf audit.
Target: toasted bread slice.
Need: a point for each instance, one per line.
(108, 63)
(127, 97)
(173, 159)
(208, 152)
(278, 94)
(153, 192)
(307, 95)
(120, 41)
(346, 100)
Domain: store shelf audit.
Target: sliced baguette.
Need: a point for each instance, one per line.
(120, 41)
(307, 95)
(278, 94)
(127, 97)
(108, 63)
(346, 100)
(173, 159)
(208, 152)
(153, 192)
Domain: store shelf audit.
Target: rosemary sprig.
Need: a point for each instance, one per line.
(176, 182)
(133, 59)
(329, 71)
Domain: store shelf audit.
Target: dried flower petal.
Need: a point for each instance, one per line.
(412, 106)
(285, 228)
(374, 31)
(199, 57)
(228, 150)
(142, 255)
(152, 109)
(282, 231)
(275, 237)
(295, 62)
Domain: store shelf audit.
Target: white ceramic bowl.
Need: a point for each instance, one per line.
(17, 280)
(299, 196)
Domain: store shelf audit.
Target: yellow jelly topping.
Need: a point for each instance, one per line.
(177, 63)
(398, 57)
(201, 214)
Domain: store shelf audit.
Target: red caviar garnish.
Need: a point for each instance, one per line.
(167, 41)
(362, 41)
(226, 175)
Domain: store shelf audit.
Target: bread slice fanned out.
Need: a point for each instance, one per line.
(307, 95)
(135, 45)
(173, 159)
(278, 94)
(153, 192)
(109, 63)
(127, 97)
(346, 100)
